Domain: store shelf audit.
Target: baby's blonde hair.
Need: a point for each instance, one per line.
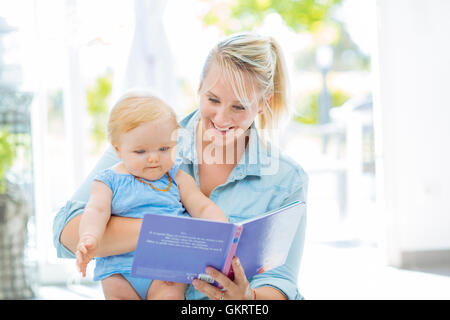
(251, 56)
(135, 108)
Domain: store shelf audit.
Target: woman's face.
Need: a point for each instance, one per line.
(224, 118)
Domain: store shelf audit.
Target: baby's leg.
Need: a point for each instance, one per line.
(116, 287)
(165, 290)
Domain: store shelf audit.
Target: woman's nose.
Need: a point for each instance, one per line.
(222, 117)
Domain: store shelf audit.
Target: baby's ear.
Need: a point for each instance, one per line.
(117, 150)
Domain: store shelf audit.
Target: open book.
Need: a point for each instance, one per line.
(179, 249)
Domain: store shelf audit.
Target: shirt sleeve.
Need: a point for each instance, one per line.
(72, 209)
(284, 278)
(77, 203)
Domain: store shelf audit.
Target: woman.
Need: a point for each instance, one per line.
(243, 82)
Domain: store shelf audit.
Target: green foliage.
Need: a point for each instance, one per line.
(307, 110)
(97, 107)
(300, 15)
(244, 15)
(7, 155)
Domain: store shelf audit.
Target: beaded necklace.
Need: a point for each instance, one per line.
(148, 183)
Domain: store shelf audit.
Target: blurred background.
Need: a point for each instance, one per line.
(369, 124)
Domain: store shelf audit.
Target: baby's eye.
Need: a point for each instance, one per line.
(164, 149)
(139, 151)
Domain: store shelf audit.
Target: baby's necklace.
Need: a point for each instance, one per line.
(170, 183)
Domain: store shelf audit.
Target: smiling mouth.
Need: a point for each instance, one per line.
(221, 130)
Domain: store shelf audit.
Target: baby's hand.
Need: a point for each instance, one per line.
(86, 248)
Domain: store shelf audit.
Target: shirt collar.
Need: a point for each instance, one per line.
(256, 154)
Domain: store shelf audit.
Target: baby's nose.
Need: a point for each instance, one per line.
(153, 157)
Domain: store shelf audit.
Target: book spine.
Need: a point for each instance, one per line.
(227, 269)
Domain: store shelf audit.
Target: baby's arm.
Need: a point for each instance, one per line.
(93, 223)
(196, 203)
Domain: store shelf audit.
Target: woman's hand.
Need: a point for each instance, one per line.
(239, 289)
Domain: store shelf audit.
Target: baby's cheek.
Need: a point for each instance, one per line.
(167, 161)
(173, 154)
(134, 167)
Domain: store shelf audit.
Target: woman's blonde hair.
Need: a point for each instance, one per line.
(135, 108)
(259, 59)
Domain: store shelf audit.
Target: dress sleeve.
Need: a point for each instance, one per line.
(285, 277)
(107, 177)
(173, 171)
(76, 204)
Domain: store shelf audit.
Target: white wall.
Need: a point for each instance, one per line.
(412, 114)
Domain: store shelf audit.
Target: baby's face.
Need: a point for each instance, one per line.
(149, 150)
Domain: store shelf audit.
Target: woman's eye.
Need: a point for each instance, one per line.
(214, 100)
(240, 108)
(139, 151)
(164, 149)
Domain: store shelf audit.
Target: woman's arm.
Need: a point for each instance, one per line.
(268, 293)
(121, 235)
(285, 277)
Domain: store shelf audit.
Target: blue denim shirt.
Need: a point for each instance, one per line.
(263, 180)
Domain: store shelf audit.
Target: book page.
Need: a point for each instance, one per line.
(184, 240)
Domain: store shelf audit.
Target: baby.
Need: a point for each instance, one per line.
(143, 130)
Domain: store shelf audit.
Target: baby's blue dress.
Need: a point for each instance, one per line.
(133, 198)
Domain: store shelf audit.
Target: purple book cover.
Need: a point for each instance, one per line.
(180, 248)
